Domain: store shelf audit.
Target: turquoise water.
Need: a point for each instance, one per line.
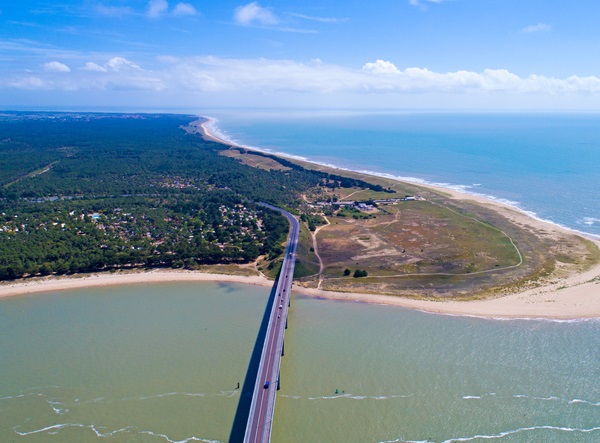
(546, 164)
(160, 363)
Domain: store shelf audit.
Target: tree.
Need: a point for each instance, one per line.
(346, 272)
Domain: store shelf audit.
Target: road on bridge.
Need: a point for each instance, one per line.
(260, 418)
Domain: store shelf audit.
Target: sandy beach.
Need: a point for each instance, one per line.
(574, 297)
(96, 280)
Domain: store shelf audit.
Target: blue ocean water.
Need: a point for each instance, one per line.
(544, 164)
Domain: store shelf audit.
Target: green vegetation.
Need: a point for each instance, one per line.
(99, 192)
(312, 221)
(92, 192)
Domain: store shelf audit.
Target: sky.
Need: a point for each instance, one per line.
(383, 54)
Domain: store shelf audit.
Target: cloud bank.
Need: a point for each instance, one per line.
(264, 77)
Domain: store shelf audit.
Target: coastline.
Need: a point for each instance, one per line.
(573, 297)
(97, 280)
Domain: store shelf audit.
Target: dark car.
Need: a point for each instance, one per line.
(267, 385)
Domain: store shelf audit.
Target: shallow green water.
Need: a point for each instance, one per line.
(138, 363)
(160, 363)
(409, 376)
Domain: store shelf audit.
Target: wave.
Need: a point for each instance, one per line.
(500, 434)
(171, 394)
(54, 405)
(478, 397)
(357, 397)
(585, 402)
(552, 398)
(58, 427)
(589, 221)
(53, 429)
(186, 440)
(211, 125)
(11, 397)
(229, 393)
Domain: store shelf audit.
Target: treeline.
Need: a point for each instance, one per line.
(84, 192)
(117, 155)
(93, 235)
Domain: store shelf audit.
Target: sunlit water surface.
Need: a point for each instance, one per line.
(160, 363)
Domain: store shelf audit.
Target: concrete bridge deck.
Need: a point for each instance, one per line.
(260, 419)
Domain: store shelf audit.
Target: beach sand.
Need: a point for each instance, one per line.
(573, 297)
(103, 279)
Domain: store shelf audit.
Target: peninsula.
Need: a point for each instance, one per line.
(363, 238)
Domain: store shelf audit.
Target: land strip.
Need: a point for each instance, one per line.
(544, 271)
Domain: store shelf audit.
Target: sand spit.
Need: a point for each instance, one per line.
(574, 297)
(97, 280)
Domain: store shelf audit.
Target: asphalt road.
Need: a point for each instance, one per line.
(260, 419)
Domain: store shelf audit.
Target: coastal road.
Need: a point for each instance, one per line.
(262, 408)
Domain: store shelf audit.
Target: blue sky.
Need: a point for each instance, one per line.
(404, 54)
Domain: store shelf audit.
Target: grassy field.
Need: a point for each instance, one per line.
(256, 161)
(436, 248)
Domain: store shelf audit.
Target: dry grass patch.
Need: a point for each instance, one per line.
(254, 160)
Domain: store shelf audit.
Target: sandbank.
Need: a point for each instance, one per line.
(573, 297)
(103, 279)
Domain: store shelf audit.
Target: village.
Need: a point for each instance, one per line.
(366, 205)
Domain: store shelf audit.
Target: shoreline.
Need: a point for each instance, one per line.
(457, 191)
(571, 298)
(578, 301)
(38, 285)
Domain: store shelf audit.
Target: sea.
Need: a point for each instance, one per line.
(162, 362)
(545, 164)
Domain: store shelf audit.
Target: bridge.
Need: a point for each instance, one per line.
(260, 418)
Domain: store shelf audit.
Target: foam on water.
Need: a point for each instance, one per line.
(54, 429)
(501, 435)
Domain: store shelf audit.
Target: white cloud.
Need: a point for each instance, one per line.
(156, 8)
(333, 20)
(115, 64)
(252, 14)
(422, 3)
(381, 67)
(182, 9)
(56, 67)
(252, 80)
(273, 76)
(540, 27)
(91, 66)
(30, 82)
(121, 64)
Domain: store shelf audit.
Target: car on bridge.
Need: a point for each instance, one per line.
(267, 384)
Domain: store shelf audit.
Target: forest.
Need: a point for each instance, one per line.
(83, 192)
